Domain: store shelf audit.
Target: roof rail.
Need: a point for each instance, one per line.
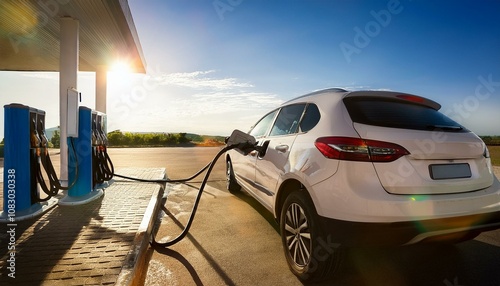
(336, 89)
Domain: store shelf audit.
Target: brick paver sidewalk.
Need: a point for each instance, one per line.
(99, 243)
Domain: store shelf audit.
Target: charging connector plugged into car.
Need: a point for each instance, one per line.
(243, 142)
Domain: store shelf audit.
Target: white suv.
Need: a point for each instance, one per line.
(340, 168)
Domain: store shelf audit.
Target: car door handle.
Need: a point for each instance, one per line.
(281, 148)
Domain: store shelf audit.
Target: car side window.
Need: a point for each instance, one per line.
(311, 118)
(288, 119)
(263, 125)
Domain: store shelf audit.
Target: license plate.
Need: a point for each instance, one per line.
(449, 171)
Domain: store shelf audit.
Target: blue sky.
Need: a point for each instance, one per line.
(214, 66)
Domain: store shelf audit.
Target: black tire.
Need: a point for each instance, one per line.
(231, 183)
(310, 254)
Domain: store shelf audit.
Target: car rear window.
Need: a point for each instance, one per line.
(311, 118)
(287, 120)
(399, 114)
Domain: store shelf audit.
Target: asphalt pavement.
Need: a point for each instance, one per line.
(232, 241)
(235, 241)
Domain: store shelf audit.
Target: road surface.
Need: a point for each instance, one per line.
(234, 241)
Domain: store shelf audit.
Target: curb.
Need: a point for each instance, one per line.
(134, 269)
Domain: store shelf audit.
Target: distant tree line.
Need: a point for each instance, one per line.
(55, 140)
(491, 140)
(118, 138)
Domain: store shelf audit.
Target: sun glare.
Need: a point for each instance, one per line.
(120, 67)
(120, 73)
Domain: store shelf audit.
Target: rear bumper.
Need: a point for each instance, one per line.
(355, 194)
(408, 232)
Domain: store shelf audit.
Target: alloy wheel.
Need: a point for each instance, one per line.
(228, 175)
(298, 235)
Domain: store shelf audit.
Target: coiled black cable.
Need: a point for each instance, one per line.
(108, 167)
(208, 167)
(97, 172)
(54, 185)
(102, 165)
(185, 231)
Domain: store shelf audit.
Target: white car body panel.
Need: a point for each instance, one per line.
(272, 167)
(397, 191)
(363, 199)
(410, 174)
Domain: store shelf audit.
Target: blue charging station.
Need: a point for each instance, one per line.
(28, 168)
(22, 147)
(81, 163)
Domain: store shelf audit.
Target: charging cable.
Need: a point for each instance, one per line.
(185, 231)
(102, 165)
(163, 180)
(244, 147)
(54, 184)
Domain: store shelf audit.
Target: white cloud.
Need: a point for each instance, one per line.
(213, 103)
(200, 80)
(196, 102)
(204, 95)
(240, 99)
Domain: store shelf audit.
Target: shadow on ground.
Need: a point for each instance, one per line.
(468, 263)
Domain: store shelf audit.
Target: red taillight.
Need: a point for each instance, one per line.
(356, 149)
(412, 98)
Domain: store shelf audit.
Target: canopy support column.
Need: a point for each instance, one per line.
(100, 88)
(68, 70)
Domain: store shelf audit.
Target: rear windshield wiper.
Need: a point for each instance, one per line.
(445, 127)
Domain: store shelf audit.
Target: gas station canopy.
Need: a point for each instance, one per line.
(68, 36)
(30, 34)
